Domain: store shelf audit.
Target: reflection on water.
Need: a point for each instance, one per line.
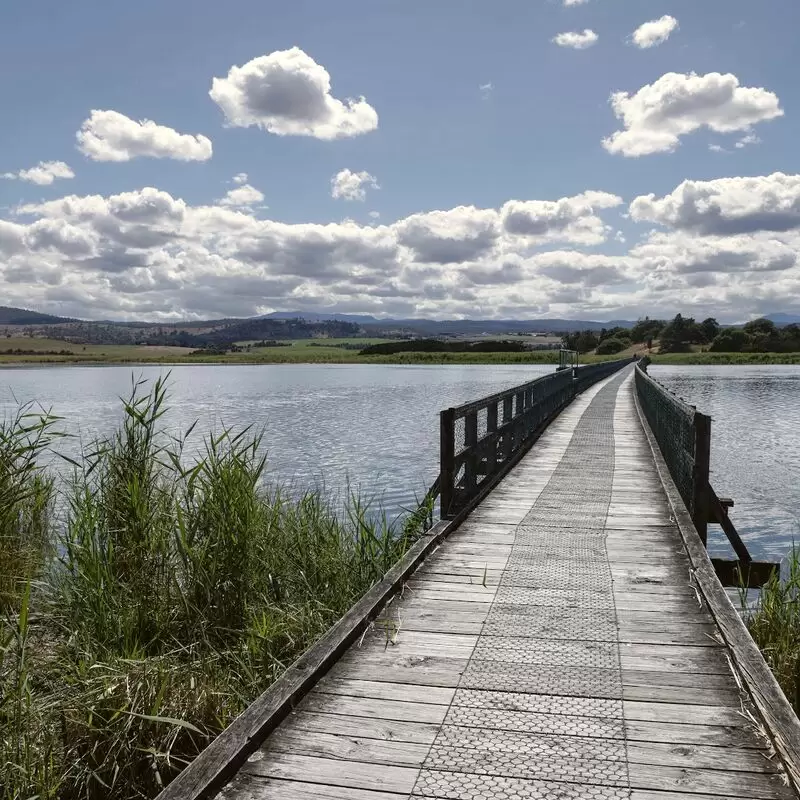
(323, 424)
(755, 446)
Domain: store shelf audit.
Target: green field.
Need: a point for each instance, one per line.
(328, 351)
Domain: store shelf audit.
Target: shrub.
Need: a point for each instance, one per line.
(611, 346)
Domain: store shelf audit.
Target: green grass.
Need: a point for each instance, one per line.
(182, 588)
(774, 624)
(710, 359)
(326, 351)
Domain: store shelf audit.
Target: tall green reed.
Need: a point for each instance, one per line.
(184, 586)
(774, 624)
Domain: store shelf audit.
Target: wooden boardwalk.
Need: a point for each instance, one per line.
(553, 647)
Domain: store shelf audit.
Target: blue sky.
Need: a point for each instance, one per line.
(533, 133)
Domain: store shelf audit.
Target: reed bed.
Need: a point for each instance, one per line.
(166, 594)
(774, 624)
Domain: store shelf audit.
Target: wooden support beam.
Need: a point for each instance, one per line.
(720, 515)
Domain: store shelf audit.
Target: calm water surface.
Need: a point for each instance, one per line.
(377, 426)
(755, 446)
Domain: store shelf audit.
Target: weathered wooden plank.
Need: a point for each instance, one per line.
(369, 707)
(385, 691)
(729, 783)
(382, 752)
(395, 730)
(254, 787)
(334, 772)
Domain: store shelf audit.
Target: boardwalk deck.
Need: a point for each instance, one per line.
(553, 647)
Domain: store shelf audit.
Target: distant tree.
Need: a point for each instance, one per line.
(761, 325)
(582, 341)
(646, 329)
(679, 334)
(730, 340)
(710, 328)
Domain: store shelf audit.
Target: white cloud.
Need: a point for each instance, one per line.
(571, 219)
(240, 178)
(726, 206)
(43, 174)
(111, 136)
(751, 138)
(655, 117)
(243, 197)
(655, 32)
(575, 2)
(347, 185)
(717, 148)
(289, 94)
(576, 40)
(486, 90)
(145, 254)
(375, 214)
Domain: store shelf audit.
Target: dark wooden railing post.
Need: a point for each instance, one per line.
(470, 444)
(519, 419)
(700, 474)
(491, 427)
(508, 436)
(446, 460)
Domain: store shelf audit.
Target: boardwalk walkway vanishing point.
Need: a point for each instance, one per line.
(556, 645)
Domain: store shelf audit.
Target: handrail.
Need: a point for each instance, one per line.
(683, 436)
(482, 439)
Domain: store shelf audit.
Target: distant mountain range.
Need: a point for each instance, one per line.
(430, 327)
(456, 325)
(20, 316)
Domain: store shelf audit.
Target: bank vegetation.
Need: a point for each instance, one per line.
(151, 598)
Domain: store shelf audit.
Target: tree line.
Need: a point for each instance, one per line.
(679, 334)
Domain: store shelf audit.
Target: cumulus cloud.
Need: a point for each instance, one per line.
(572, 219)
(656, 116)
(347, 185)
(289, 94)
(575, 2)
(240, 178)
(111, 136)
(577, 40)
(148, 255)
(43, 174)
(655, 32)
(726, 206)
(243, 197)
(450, 237)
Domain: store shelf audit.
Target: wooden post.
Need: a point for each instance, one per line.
(508, 435)
(471, 463)
(700, 474)
(519, 419)
(446, 459)
(491, 427)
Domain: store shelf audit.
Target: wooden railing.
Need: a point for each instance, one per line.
(683, 435)
(480, 441)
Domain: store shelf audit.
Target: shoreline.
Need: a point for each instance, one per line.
(405, 359)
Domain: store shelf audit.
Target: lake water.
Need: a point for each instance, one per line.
(377, 426)
(755, 447)
(374, 426)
